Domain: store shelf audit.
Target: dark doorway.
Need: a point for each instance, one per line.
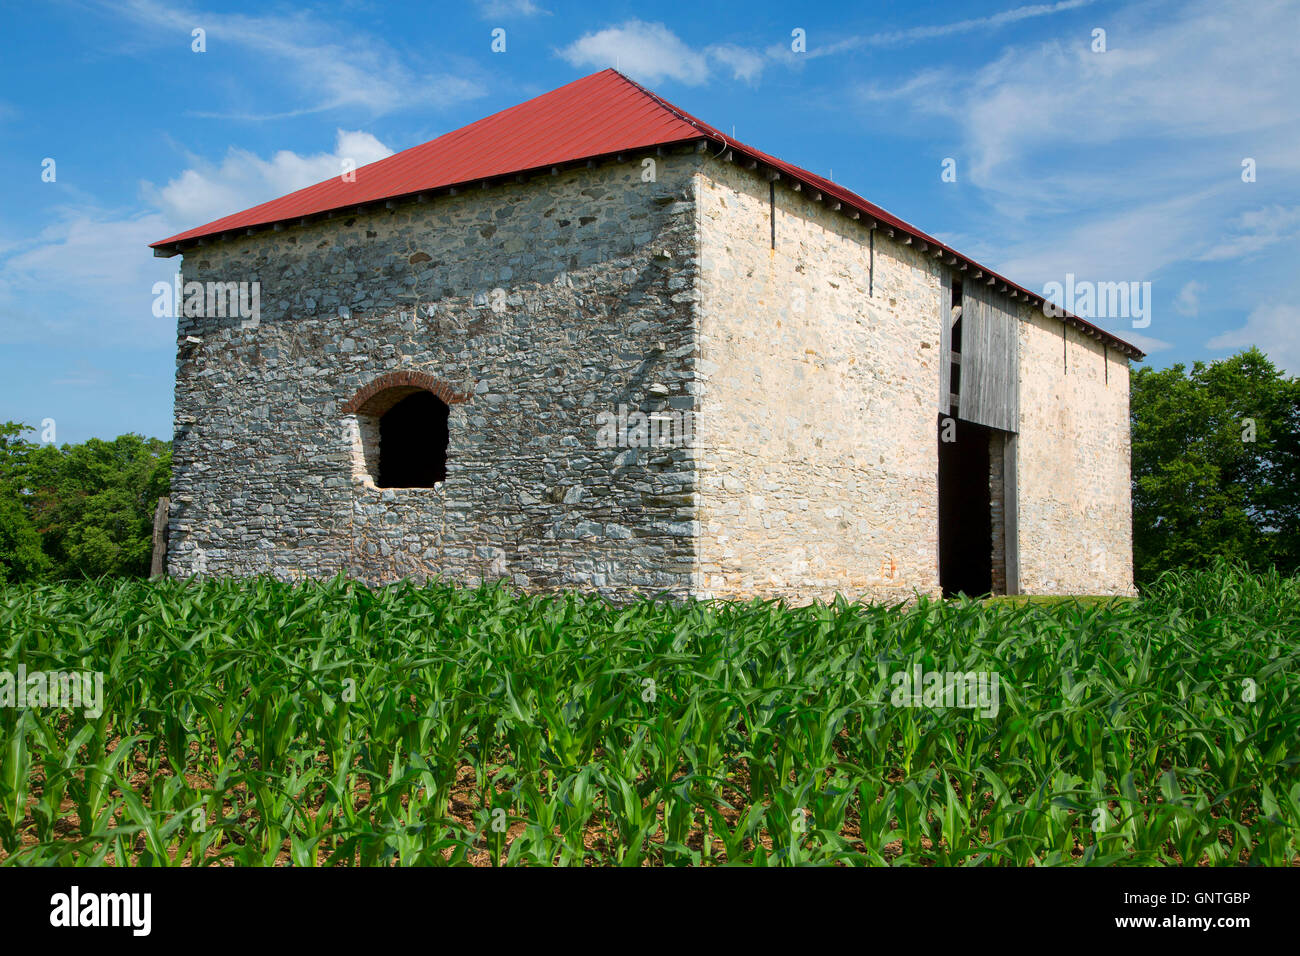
(413, 442)
(965, 515)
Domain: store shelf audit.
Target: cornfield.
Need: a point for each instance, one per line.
(263, 723)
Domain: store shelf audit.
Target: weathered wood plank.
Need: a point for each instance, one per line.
(990, 377)
(1011, 540)
(158, 564)
(945, 341)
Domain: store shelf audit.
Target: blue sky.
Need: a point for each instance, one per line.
(1115, 165)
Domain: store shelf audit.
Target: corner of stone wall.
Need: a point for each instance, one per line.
(696, 387)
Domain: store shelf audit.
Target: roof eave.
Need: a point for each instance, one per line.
(877, 218)
(175, 245)
(840, 198)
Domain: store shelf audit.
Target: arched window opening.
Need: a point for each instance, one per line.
(413, 442)
(397, 425)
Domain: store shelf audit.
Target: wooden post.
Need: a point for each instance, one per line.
(158, 566)
(1010, 514)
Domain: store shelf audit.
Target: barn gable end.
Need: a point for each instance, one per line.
(527, 313)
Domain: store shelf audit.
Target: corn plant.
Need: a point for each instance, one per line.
(257, 722)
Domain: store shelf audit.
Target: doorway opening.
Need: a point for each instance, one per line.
(965, 508)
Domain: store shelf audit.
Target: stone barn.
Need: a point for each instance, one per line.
(591, 341)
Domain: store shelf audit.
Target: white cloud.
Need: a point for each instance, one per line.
(648, 51)
(652, 52)
(893, 38)
(88, 277)
(505, 9)
(1146, 343)
(1213, 78)
(208, 191)
(1275, 328)
(924, 83)
(1127, 245)
(331, 69)
(85, 279)
(1188, 301)
(745, 64)
(1257, 229)
(1125, 165)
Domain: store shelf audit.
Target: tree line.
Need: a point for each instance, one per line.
(1215, 461)
(1216, 466)
(75, 511)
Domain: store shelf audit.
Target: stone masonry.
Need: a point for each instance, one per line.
(809, 363)
(530, 308)
(818, 458)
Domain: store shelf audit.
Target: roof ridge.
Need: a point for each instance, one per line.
(602, 114)
(677, 111)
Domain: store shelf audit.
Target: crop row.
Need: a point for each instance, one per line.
(259, 722)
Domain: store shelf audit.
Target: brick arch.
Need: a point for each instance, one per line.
(387, 390)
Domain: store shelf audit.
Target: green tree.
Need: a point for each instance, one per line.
(1216, 466)
(21, 557)
(94, 503)
(79, 510)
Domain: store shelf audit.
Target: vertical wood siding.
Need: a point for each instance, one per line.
(990, 369)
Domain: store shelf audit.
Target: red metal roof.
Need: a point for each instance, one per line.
(596, 115)
(599, 115)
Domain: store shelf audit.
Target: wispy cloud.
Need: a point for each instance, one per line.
(1213, 71)
(1146, 343)
(85, 278)
(88, 275)
(508, 9)
(653, 52)
(1188, 300)
(744, 63)
(331, 69)
(1275, 328)
(894, 38)
(1256, 230)
(1128, 244)
(1121, 164)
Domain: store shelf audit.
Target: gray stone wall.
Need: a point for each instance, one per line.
(542, 302)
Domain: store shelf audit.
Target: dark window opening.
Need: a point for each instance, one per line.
(965, 512)
(413, 443)
(955, 341)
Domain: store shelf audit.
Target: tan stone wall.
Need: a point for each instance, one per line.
(1073, 491)
(817, 400)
